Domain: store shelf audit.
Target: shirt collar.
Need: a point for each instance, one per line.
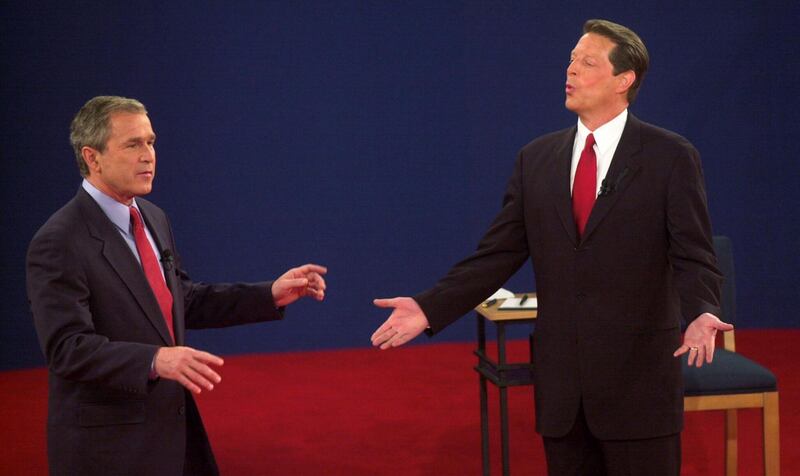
(118, 213)
(606, 135)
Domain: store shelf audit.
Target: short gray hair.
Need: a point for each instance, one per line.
(92, 124)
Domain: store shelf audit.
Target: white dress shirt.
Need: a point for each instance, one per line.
(606, 139)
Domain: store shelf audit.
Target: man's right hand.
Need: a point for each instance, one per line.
(406, 322)
(190, 367)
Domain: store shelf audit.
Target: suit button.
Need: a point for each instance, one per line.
(182, 410)
(581, 295)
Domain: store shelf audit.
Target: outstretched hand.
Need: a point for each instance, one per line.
(189, 367)
(406, 322)
(699, 339)
(302, 281)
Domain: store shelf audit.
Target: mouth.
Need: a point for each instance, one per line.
(569, 88)
(146, 174)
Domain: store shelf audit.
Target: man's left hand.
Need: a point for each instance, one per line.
(699, 339)
(302, 281)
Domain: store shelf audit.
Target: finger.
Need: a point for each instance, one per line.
(379, 340)
(700, 356)
(312, 268)
(381, 337)
(208, 358)
(389, 342)
(399, 340)
(206, 372)
(710, 352)
(387, 335)
(385, 302)
(317, 281)
(188, 384)
(681, 350)
(692, 356)
(317, 294)
(197, 378)
(383, 328)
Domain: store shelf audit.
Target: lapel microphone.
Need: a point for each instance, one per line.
(607, 188)
(167, 259)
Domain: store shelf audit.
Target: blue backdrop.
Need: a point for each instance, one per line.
(377, 137)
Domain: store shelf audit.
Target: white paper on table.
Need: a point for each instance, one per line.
(501, 293)
(514, 303)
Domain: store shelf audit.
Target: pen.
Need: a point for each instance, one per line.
(523, 299)
(490, 302)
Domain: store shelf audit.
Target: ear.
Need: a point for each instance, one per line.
(90, 157)
(625, 80)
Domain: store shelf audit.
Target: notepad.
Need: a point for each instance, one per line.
(511, 304)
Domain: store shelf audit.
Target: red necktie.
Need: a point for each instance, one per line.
(584, 187)
(152, 270)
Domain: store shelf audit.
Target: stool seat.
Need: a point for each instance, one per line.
(729, 373)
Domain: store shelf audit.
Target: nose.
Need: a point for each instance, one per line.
(149, 154)
(572, 69)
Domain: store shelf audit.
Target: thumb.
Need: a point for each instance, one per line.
(724, 326)
(385, 302)
(296, 283)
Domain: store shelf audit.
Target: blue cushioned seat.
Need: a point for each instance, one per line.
(729, 373)
(733, 382)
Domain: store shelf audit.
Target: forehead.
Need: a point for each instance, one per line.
(594, 44)
(129, 124)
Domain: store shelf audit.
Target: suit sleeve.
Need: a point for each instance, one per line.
(500, 253)
(225, 304)
(691, 250)
(59, 298)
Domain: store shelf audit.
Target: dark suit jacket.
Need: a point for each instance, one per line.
(610, 304)
(99, 326)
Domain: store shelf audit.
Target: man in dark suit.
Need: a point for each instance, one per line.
(613, 215)
(111, 302)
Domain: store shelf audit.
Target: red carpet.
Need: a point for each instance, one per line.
(411, 411)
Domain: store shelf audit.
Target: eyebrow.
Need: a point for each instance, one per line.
(141, 139)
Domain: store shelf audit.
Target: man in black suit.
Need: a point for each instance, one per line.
(612, 213)
(111, 302)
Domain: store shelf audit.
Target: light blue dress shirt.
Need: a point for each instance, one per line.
(120, 216)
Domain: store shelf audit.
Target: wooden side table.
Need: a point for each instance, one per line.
(501, 373)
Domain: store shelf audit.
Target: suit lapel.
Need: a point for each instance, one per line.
(623, 169)
(561, 190)
(123, 262)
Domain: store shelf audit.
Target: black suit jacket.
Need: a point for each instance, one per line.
(99, 326)
(610, 304)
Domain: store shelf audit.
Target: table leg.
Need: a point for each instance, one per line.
(501, 360)
(484, 399)
(484, 427)
(504, 429)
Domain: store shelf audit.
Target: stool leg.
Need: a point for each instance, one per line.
(484, 427)
(772, 444)
(731, 443)
(504, 429)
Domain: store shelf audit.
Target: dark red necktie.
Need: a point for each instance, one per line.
(152, 270)
(584, 187)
